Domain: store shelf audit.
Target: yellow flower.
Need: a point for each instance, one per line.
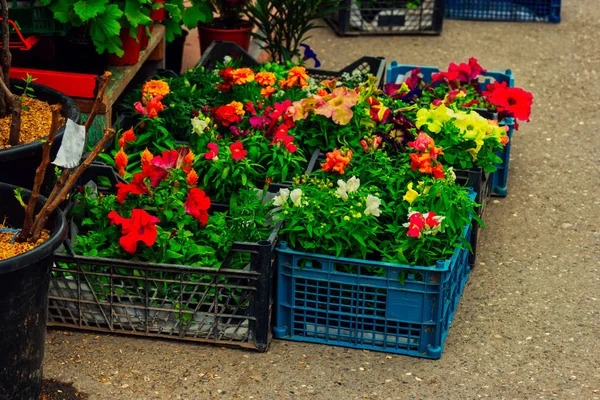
(346, 218)
(434, 118)
(239, 108)
(411, 194)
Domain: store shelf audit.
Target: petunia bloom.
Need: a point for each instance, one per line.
(515, 101)
(309, 54)
(339, 105)
(141, 227)
(196, 205)
(137, 186)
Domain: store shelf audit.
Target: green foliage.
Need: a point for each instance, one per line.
(284, 24)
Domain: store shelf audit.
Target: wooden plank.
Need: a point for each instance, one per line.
(121, 76)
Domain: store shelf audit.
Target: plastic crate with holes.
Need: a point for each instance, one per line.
(218, 50)
(33, 18)
(388, 17)
(398, 73)
(368, 305)
(505, 10)
(230, 305)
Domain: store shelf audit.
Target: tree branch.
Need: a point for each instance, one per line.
(96, 106)
(40, 173)
(51, 204)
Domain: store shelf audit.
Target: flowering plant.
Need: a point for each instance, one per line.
(161, 215)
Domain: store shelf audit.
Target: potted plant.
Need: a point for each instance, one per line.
(283, 25)
(31, 229)
(25, 113)
(229, 26)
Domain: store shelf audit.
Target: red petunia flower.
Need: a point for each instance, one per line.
(213, 152)
(196, 205)
(237, 151)
(515, 101)
(141, 227)
(137, 186)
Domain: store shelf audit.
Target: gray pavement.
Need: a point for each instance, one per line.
(528, 325)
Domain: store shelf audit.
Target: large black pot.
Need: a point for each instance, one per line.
(24, 283)
(18, 163)
(174, 54)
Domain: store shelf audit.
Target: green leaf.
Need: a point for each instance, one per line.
(88, 9)
(198, 12)
(170, 254)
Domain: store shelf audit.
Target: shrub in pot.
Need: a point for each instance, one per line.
(31, 229)
(229, 26)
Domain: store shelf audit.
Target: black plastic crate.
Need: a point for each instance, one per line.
(388, 17)
(218, 50)
(505, 10)
(222, 306)
(481, 183)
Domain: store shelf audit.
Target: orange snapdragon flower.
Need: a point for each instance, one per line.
(337, 161)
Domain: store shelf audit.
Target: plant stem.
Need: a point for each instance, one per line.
(5, 57)
(40, 173)
(52, 203)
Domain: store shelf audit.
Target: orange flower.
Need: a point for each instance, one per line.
(154, 106)
(147, 157)
(267, 91)
(322, 92)
(121, 161)
(192, 178)
(239, 108)
(242, 75)
(266, 78)
(337, 161)
(155, 88)
(128, 136)
(188, 159)
(296, 77)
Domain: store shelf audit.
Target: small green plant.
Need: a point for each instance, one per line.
(27, 90)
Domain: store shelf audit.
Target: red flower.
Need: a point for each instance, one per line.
(416, 222)
(237, 151)
(128, 136)
(141, 227)
(282, 137)
(430, 221)
(438, 171)
(227, 115)
(137, 186)
(337, 161)
(156, 174)
(196, 205)
(515, 101)
(414, 79)
(213, 151)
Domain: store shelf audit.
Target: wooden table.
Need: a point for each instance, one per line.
(121, 76)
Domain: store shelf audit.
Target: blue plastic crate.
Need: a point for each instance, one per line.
(397, 73)
(319, 301)
(504, 10)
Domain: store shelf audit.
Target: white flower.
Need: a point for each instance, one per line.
(282, 197)
(199, 125)
(373, 204)
(353, 184)
(226, 60)
(296, 196)
(451, 173)
(341, 190)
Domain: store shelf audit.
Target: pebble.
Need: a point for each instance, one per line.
(566, 225)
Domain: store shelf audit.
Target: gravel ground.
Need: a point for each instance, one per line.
(528, 323)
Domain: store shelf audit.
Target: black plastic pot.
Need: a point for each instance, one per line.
(77, 53)
(18, 163)
(24, 283)
(174, 54)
